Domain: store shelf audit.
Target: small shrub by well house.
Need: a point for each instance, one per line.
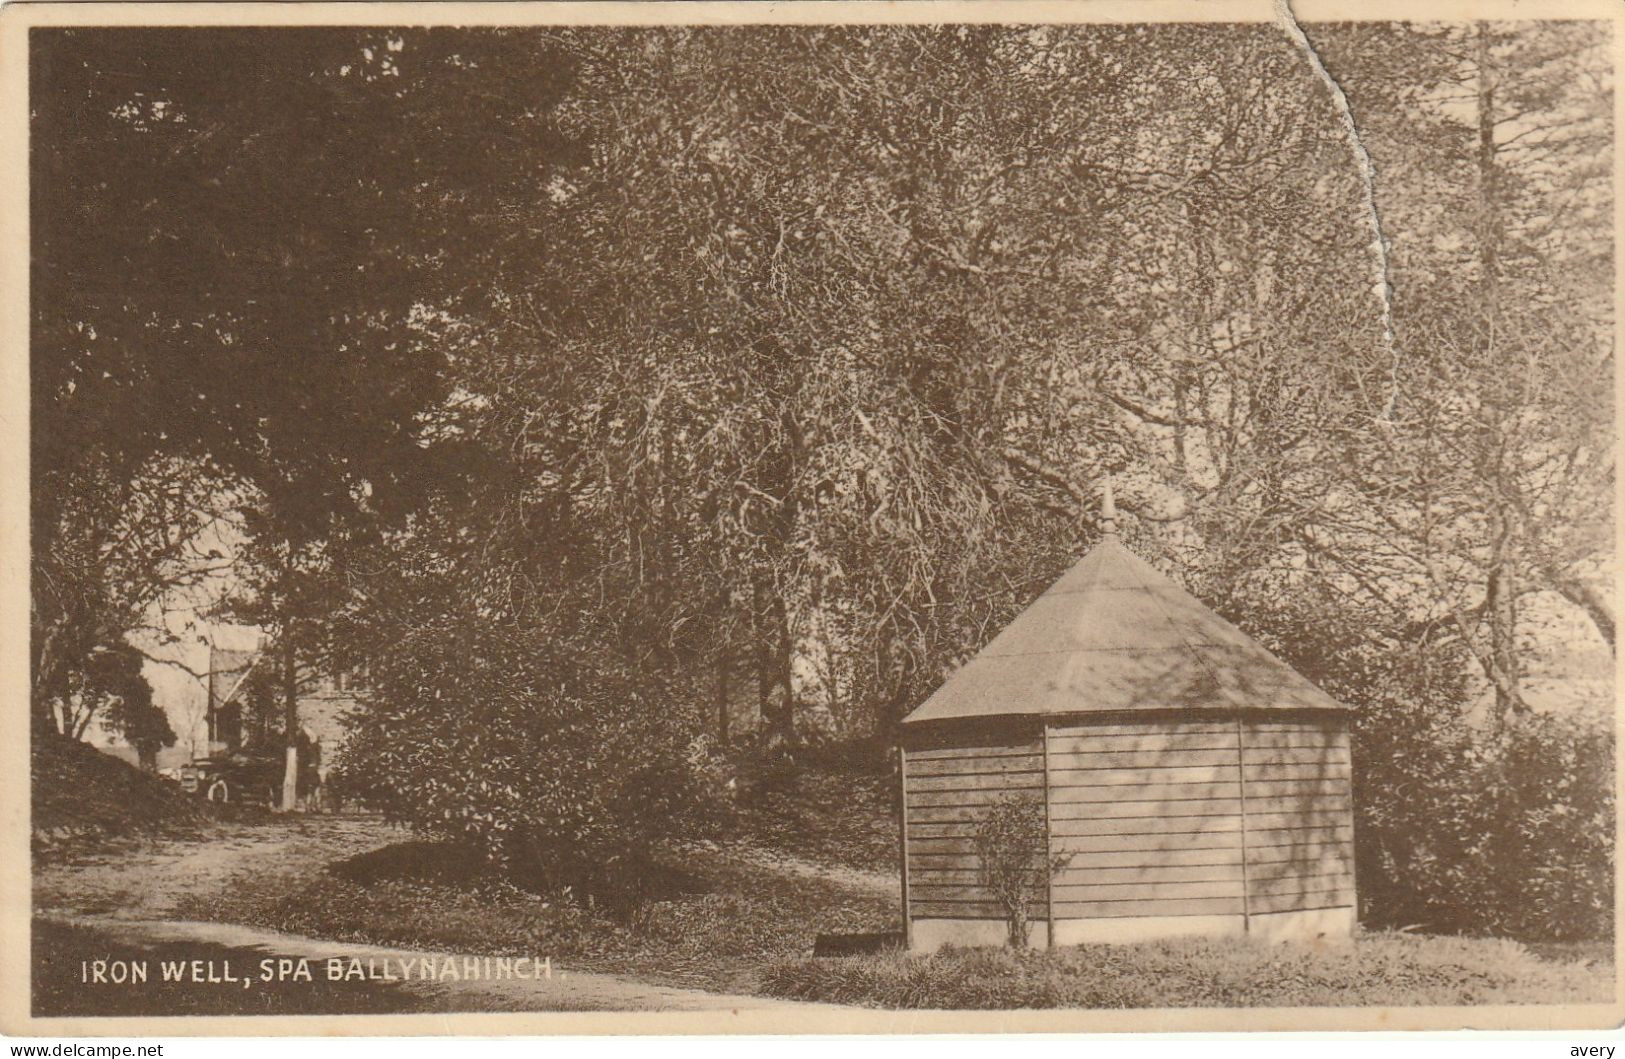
(1189, 781)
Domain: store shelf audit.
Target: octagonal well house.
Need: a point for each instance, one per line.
(1198, 784)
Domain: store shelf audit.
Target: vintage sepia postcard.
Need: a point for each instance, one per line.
(809, 517)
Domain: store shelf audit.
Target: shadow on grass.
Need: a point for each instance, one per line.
(452, 864)
(415, 861)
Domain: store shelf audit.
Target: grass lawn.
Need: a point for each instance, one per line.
(733, 925)
(739, 918)
(1375, 970)
(789, 810)
(719, 922)
(725, 912)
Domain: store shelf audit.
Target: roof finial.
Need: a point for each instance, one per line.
(1108, 509)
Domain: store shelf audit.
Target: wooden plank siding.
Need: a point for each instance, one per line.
(1152, 819)
(1300, 813)
(948, 790)
(1211, 816)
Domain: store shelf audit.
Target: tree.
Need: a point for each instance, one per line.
(175, 332)
(863, 354)
(118, 539)
(131, 711)
(112, 691)
(1494, 482)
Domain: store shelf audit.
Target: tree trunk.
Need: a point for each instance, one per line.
(773, 667)
(45, 669)
(724, 675)
(1503, 619)
(1489, 220)
(290, 723)
(1020, 929)
(1501, 584)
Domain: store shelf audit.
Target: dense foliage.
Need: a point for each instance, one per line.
(1464, 823)
(565, 775)
(116, 677)
(1510, 833)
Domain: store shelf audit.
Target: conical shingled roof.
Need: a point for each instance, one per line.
(1115, 635)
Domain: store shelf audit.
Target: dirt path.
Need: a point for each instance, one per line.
(139, 901)
(785, 864)
(152, 879)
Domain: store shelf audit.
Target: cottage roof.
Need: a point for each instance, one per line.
(1115, 635)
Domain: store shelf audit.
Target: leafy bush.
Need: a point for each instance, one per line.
(566, 775)
(1013, 862)
(1382, 969)
(1463, 825)
(1507, 831)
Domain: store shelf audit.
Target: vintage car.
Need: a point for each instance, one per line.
(243, 776)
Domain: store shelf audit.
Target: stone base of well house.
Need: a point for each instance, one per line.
(1316, 924)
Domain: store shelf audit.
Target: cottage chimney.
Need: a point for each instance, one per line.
(1108, 508)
